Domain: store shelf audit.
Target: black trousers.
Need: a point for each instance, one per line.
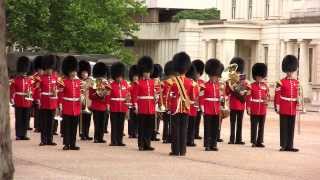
(99, 118)
(46, 125)
(36, 123)
(197, 124)
(287, 125)
(257, 128)
(132, 124)
(62, 127)
(211, 127)
(106, 122)
(117, 126)
(191, 129)
(156, 124)
(22, 116)
(219, 129)
(236, 117)
(145, 130)
(84, 125)
(70, 129)
(166, 135)
(179, 133)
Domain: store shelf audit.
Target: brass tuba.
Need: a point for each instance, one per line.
(85, 84)
(233, 80)
(101, 86)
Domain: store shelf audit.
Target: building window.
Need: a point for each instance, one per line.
(233, 10)
(266, 54)
(310, 63)
(267, 8)
(250, 10)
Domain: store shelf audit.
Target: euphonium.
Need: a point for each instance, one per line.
(233, 79)
(101, 86)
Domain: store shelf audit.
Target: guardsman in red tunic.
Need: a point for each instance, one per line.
(117, 101)
(257, 102)
(200, 69)
(180, 102)
(237, 102)
(98, 95)
(84, 74)
(286, 102)
(71, 102)
(210, 104)
(48, 99)
(156, 76)
(133, 120)
(37, 65)
(194, 106)
(144, 102)
(21, 97)
(169, 73)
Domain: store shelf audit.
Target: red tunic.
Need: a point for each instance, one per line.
(133, 91)
(286, 96)
(234, 102)
(194, 107)
(144, 98)
(97, 103)
(70, 97)
(47, 85)
(210, 100)
(18, 91)
(118, 96)
(258, 98)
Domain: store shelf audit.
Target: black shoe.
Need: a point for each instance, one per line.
(102, 141)
(198, 137)
(230, 142)
(219, 140)
(76, 148)
(52, 144)
(95, 141)
(36, 130)
(208, 149)
(253, 145)
(42, 144)
(191, 144)
(83, 138)
(106, 132)
(55, 134)
(141, 149)
(173, 154)
(66, 148)
(293, 150)
(283, 149)
(30, 129)
(214, 149)
(89, 138)
(25, 138)
(260, 145)
(121, 144)
(183, 154)
(149, 149)
(18, 138)
(240, 143)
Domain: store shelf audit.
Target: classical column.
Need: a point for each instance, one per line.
(228, 50)
(304, 66)
(290, 47)
(219, 53)
(210, 49)
(283, 53)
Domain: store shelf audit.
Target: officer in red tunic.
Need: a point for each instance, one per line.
(71, 103)
(237, 102)
(133, 120)
(194, 106)
(210, 104)
(84, 74)
(200, 69)
(169, 73)
(21, 97)
(286, 102)
(98, 96)
(37, 66)
(257, 102)
(117, 101)
(157, 75)
(180, 101)
(48, 99)
(144, 102)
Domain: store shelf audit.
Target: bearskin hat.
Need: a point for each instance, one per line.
(69, 64)
(240, 62)
(99, 70)
(259, 69)
(58, 65)
(168, 68)
(289, 63)
(84, 65)
(49, 62)
(133, 71)
(214, 67)
(145, 65)
(181, 62)
(23, 64)
(157, 71)
(192, 72)
(37, 63)
(199, 65)
(117, 70)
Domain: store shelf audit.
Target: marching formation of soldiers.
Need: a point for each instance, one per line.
(176, 95)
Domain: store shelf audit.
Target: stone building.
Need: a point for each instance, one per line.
(257, 30)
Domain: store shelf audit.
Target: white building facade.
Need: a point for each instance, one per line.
(256, 30)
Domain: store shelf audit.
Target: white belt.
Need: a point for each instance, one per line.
(288, 99)
(146, 97)
(257, 100)
(46, 93)
(71, 99)
(212, 99)
(117, 99)
(21, 93)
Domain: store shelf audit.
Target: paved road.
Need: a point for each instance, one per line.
(99, 161)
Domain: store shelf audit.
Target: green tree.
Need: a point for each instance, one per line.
(81, 26)
(205, 14)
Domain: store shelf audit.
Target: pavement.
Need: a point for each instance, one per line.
(100, 161)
